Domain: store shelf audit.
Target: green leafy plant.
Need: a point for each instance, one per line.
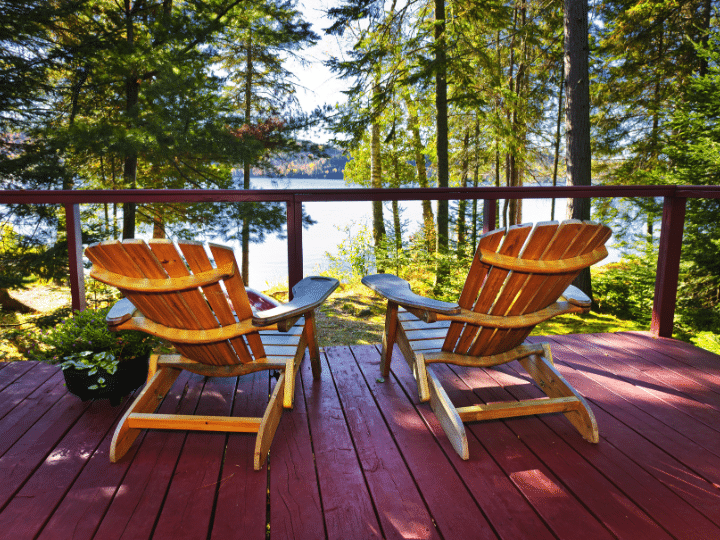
(84, 341)
(94, 363)
(354, 257)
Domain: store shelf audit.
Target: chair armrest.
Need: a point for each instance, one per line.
(121, 311)
(398, 290)
(308, 294)
(527, 320)
(576, 297)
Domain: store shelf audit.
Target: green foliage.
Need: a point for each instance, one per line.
(626, 289)
(692, 148)
(94, 363)
(9, 247)
(79, 337)
(131, 96)
(38, 254)
(637, 103)
(354, 257)
(707, 340)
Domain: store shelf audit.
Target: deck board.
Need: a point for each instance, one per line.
(397, 502)
(485, 503)
(563, 512)
(296, 508)
(603, 499)
(359, 458)
(241, 493)
(347, 506)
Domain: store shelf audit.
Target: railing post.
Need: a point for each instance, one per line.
(489, 214)
(294, 237)
(74, 241)
(668, 268)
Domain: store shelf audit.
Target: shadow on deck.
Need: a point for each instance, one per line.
(362, 459)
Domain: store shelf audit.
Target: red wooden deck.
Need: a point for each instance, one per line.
(361, 459)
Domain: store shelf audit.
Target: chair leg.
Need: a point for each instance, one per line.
(292, 368)
(310, 334)
(148, 400)
(269, 423)
(547, 377)
(152, 366)
(421, 376)
(388, 341)
(447, 415)
(308, 340)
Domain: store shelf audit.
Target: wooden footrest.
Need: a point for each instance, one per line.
(194, 423)
(493, 411)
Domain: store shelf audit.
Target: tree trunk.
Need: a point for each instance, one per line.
(515, 162)
(427, 212)
(398, 234)
(132, 94)
(443, 172)
(395, 206)
(476, 179)
(462, 203)
(379, 232)
(510, 207)
(129, 209)
(577, 115)
(497, 137)
(558, 133)
(577, 110)
(245, 235)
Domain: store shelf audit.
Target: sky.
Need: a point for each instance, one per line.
(317, 84)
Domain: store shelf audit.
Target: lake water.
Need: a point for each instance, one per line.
(268, 261)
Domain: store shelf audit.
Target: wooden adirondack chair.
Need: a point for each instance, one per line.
(203, 311)
(518, 278)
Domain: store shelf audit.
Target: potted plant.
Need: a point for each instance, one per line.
(96, 362)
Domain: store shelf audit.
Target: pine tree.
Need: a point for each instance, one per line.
(253, 53)
(692, 151)
(646, 57)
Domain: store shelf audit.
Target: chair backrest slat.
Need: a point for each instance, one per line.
(504, 292)
(128, 258)
(198, 260)
(183, 309)
(194, 309)
(238, 296)
(113, 256)
(509, 294)
(547, 242)
(192, 304)
(481, 294)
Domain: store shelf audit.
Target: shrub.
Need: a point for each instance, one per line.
(626, 289)
(87, 331)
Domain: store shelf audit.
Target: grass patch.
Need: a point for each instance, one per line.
(590, 323)
(353, 315)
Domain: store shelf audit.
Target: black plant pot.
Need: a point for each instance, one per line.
(130, 374)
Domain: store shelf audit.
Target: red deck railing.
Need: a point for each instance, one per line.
(671, 233)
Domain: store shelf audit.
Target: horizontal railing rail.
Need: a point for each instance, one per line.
(670, 245)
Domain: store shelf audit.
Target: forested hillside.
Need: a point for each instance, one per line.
(328, 163)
